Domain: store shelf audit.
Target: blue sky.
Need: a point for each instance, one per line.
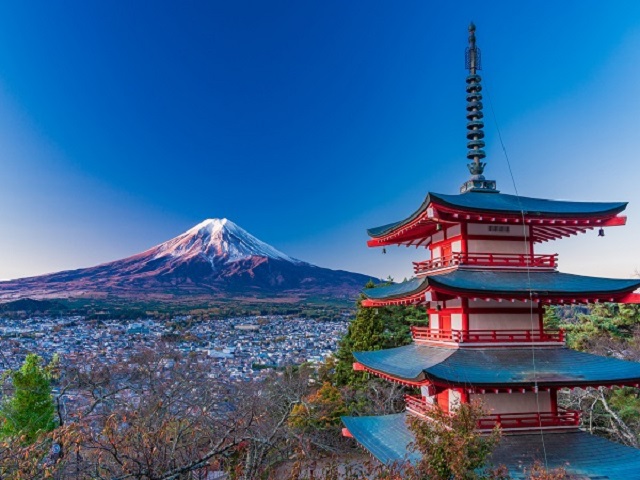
(123, 124)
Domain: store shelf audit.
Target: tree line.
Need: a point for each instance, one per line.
(161, 416)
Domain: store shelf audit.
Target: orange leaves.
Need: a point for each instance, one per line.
(319, 410)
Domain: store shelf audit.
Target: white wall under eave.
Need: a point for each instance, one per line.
(497, 230)
(454, 230)
(505, 304)
(434, 320)
(514, 402)
(503, 321)
(454, 399)
(456, 321)
(502, 246)
(428, 398)
(437, 237)
(454, 303)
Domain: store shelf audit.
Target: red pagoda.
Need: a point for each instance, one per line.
(484, 288)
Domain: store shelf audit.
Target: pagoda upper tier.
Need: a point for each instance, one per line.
(547, 219)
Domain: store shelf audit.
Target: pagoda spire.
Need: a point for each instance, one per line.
(475, 125)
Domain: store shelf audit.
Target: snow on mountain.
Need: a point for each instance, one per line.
(219, 240)
(216, 258)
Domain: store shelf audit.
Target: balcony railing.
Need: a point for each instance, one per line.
(507, 421)
(487, 260)
(418, 405)
(487, 336)
(523, 420)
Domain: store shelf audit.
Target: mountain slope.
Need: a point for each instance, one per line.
(216, 258)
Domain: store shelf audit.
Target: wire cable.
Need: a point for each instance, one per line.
(527, 239)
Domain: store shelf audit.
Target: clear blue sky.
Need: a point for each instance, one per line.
(122, 123)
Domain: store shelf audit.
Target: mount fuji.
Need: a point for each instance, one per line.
(216, 258)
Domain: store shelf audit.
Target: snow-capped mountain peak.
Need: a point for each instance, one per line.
(214, 259)
(219, 240)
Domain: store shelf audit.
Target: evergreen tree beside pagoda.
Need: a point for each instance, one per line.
(373, 329)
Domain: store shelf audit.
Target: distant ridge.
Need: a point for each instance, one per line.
(32, 306)
(214, 259)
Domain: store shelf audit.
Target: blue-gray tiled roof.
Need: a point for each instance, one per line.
(510, 367)
(505, 282)
(381, 230)
(397, 289)
(509, 204)
(502, 202)
(387, 438)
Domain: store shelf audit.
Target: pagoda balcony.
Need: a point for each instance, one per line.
(562, 419)
(486, 336)
(489, 260)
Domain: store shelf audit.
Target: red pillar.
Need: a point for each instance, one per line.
(554, 400)
(540, 317)
(463, 232)
(465, 315)
(464, 395)
(443, 400)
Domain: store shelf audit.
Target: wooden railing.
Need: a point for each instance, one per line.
(486, 336)
(418, 405)
(487, 260)
(507, 421)
(512, 421)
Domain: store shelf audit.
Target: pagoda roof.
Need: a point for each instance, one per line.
(387, 437)
(502, 206)
(499, 367)
(503, 284)
(535, 207)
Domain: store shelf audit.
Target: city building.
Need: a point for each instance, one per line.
(485, 288)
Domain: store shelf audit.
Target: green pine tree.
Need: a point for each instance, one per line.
(365, 333)
(29, 409)
(374, 329)
(601, 320)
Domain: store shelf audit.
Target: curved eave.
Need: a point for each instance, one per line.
(414, 230)
(523, 285)
(387, 438)
(549, 287)
(498, 368)
(552, 219)
(384, 230)
(405, 293)
(502, 203)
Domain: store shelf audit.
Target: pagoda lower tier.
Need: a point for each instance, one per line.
(387, 438)
(517, 386)
(480, 370)
(549, 287)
